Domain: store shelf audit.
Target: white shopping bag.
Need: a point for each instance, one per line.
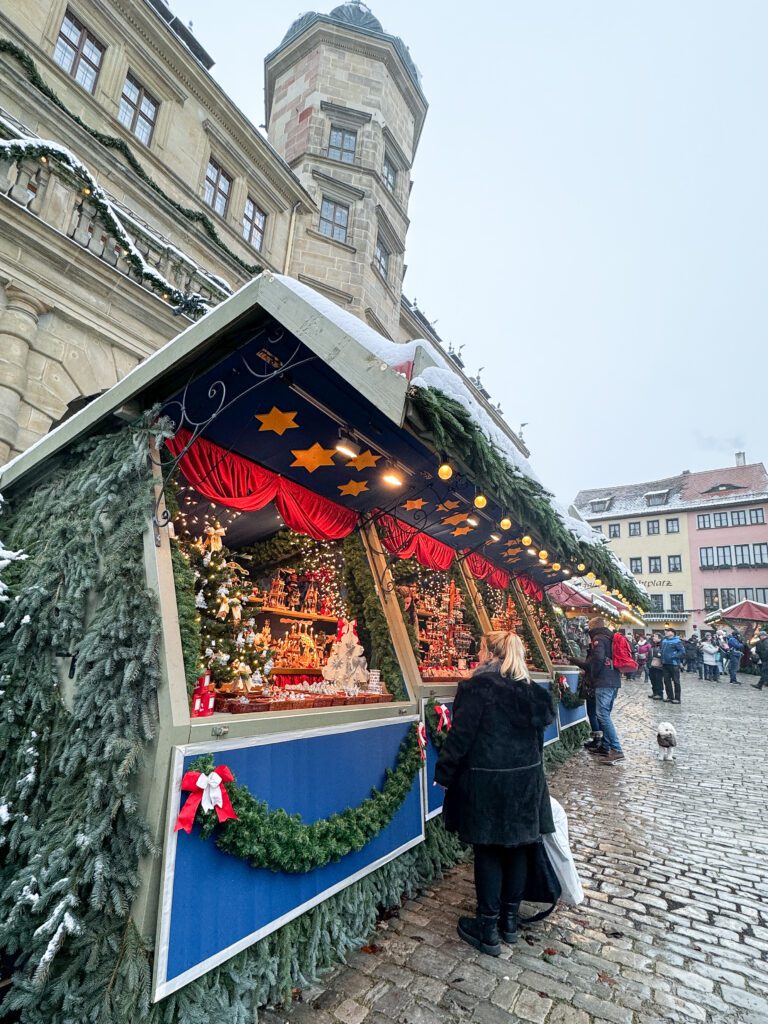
(560, 857)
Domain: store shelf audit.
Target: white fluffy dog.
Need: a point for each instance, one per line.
(666, 737)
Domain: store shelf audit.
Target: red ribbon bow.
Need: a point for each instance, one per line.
(421, 733)
(209, 790)
(443, 717)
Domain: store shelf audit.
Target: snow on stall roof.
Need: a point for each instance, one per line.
(444, 378)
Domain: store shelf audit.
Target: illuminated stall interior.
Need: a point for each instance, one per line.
(279, 463)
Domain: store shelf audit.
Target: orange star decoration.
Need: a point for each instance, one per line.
(365, 460)
(455, 519)
(354, 487)
(314, 457)
(461, 530)
(447, 506)
(278, 421)
(413, 504)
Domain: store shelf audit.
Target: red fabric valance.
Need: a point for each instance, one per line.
(406, 541)
(482, 569)
(236, 482)
(530, 588)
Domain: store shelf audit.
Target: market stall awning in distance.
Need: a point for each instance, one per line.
(744, 611)
(566, 596)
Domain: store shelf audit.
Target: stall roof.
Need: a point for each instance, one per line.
(744, 611)
(384, 387)
(366, 379)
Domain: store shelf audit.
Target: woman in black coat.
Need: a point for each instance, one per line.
(497, 797)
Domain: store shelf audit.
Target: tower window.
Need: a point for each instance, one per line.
(381, 257)
(342, 144)
(218, 186)
(389, 173)
(334, 220)
(78, 53)
(138, 110)
(254, 221)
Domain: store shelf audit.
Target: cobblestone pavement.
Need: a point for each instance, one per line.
(674, 861)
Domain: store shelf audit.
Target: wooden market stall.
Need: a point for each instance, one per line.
(257, 565)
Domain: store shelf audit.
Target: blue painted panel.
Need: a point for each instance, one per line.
(434, 793)
(571, 716)
(219, 899)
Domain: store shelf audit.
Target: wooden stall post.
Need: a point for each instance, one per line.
(385, 589)
(522, 601)
(474, 594)
(173, 707)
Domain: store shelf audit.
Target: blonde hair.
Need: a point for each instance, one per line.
(507, 648)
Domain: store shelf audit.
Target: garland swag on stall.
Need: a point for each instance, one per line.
(34, 77)
(455, 433)
(283, 842)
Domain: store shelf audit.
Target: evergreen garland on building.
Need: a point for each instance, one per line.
(33, 76)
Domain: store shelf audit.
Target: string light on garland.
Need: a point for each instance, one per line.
(531, 551)
(480, 501)
(445, 470)
(505, 523)
(526, 541)
(556, 566)
(581, 567)
(543, 555)
(590, 576)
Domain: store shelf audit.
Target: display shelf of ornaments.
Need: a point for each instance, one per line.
(445, 638)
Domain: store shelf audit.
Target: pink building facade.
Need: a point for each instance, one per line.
(728, 536)
(698, 542)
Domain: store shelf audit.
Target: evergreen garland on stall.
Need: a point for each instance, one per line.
(189, 616)
(71, 749)
(33, 76)
(280, 841)
(365, 605)
(456, 434)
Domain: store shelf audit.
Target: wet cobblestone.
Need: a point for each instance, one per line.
(674, 862)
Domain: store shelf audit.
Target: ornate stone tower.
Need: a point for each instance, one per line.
(345, 109)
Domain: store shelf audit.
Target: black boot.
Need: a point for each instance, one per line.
(482, 933)
(508, 922)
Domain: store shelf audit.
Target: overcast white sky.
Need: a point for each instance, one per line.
(589, 214)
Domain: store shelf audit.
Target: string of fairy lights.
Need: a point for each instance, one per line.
(445, 473)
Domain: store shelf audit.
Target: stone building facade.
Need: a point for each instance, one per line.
(135, 184)
(697, 541)
(345, 108)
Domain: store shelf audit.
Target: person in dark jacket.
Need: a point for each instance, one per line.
(761, 653)
(602, 682)
(655, 669)
(491, 765)
(672, 656)
(735, 649)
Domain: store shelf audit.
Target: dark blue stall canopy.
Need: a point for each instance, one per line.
(274, 402)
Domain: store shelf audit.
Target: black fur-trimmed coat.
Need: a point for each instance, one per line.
(491, 762)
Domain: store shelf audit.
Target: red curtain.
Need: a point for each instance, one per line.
(482, 569)
(530, 588)
(406, 541)
(236, 482)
